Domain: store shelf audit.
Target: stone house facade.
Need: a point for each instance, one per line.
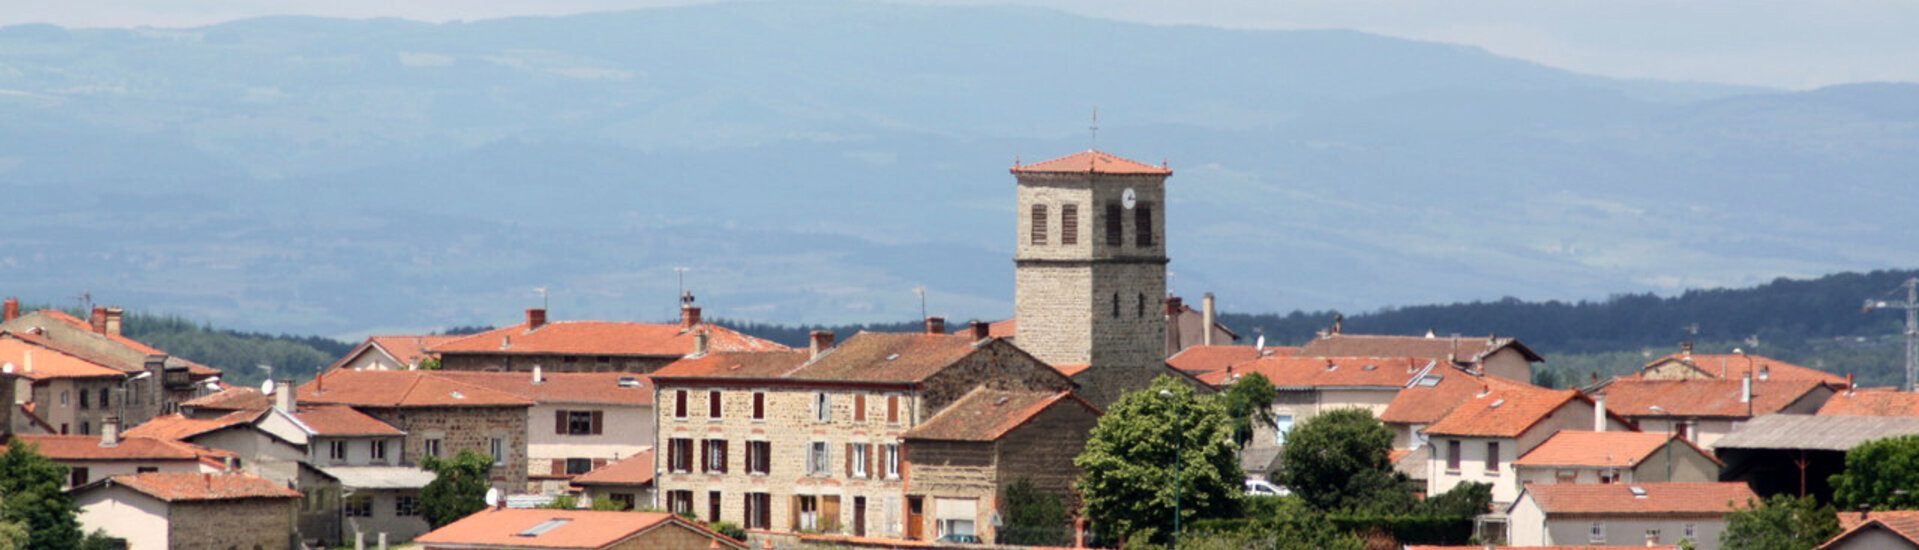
(578, 421)
(1573, 456)
(440, 417)
(163, 511)
(168, 381)
(1647, 514)
(1479, 439)
(962, 460)
(591, 346)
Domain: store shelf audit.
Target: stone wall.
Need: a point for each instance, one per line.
(469, 428)
(998, 365)
(265, 524)
(669, 537)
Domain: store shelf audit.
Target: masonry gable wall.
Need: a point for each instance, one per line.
(464, 428)
(997, 365)
(243, 523)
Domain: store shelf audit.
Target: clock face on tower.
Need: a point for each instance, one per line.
(1128, 198)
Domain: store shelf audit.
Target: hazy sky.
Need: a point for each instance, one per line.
(1791, 44)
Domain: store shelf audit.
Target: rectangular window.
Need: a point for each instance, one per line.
(679, 502)
(406, 506)
(1692, 531)
(1143, 225)
(83, 399)
(430, 447)
(497, 447)
(892, 409)
(759, 511)
(1115, 233)
(1039, 224)
(1282, 425)
(759, 457)
(679, 455)
(715, 456)
(859, 408)
(759, 405)
(580, 422)
(713, 506)
(1492, 457)
(859, 458)
(1652, 537)
(818, 458)
(63, 398)
(76, 476)
(577, 466)
(336, 450)
(1598, 534)
(713, 404)
(807, 511)
(376, 449)
(103, 398)
(1069, 224)
(823, 406)
(358, 507)
(679, 404)
(146, 469)
(1452, 455)
(892, 461)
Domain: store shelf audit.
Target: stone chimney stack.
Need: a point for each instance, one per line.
(981, 329)
(114, 315)
(1599, 413)
(110, 432)
(1745, 388)
(821, 340)
(936, 325)
(539, 375)
(10, 311)
(285, 397)
(689, 317)
(702, 342)
(535, 318)
(98, 321)
(1208, 317)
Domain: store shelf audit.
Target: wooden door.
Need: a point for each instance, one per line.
(859, 516)
(915, 517)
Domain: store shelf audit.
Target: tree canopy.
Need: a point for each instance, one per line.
(458, 490)
(1337, 460)
(1130, 483)
(30, 497)
(1249, 403)
(1780, 523)
(1882, 474)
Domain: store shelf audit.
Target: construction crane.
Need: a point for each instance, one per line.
(1911, 305)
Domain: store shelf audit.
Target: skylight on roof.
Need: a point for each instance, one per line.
(543, 527)
(1497, 403)
(1430, 380)
(457, 395)
(629, 382)
(1637, 491)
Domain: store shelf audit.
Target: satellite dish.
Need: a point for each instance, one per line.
(493, 497)
(266, 387)
(1128, 198)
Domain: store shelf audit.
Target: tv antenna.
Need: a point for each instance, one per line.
(1911, 305)
(86, 301)
(1094, 129)
(543, 296)
(686, 298)
(921, 290)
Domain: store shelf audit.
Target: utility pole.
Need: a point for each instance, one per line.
(1911, 305)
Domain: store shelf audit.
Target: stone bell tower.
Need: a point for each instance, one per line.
(1090, 272)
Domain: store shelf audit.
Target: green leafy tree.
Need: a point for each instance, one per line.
(458, 489)
(1034, 518)
(1128, 468)
(1882, 474)
(561, 502)
(99, 540)
(1780, 523)
(13, 535)
(30, 496)
(1338, 461)
(1278, 523)
(1249, 403)
(730, 529)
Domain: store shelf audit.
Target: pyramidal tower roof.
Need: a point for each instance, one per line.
(1091, 162)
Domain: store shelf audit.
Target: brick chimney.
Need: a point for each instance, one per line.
(981, 329)
(110, 432)
(689, 316)
(285, 397)
(820, 341)
(535, 318)
(10, 311)
(114, 315)
(936, 325)
(1173, 303)
(98, 321)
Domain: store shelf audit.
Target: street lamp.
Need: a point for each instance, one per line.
(1179, 440)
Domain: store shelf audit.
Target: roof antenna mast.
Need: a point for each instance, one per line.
(686, 298)
(921, 290)
(543, 300)
(1094, 144)
(1911, 305)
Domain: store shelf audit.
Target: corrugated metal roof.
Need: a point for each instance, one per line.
(1824, 433)
(379, 477)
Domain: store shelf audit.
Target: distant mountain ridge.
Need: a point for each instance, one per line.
(814, 161)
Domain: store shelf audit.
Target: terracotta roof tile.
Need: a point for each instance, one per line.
(1660, 498)
(1902, 523)
(604, 338)
(577, 528)
(878, 357)
(1462, 349)
(1003, 329)
(1502, 412)
(48, 362)
(203, 487)
(1738, 365)
(1703, 397)
(1073, 369)
(1204, 359)
(564, 387)
(1321, 372)
(1091, 162)
(87, 447)
(237, 398)
(1849, 520)
(81, 324)
(632, 470)
(177, 426)
(410, 350)
(987, 414)
(1573, 448)
(1871, 403)
(1428, 398)
(342, 421)
(770, 364)
(402, 388)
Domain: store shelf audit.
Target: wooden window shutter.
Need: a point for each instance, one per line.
(598, 418)
(849, 460)
(559, 466)
(559, 422)
(1039, 224)
(893, 409)
(713, 404)
(706, 455)
(722, 452)
(759, 405)
(679, 404)
(1069, 224)
(859, 408)
(871, 451)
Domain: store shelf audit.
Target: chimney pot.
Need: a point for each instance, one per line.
(110, 432)
(820, 340)
(98, 321)
(702, 342)
(1173, 303)
(535, 318)
(114, 315)
(10, 311)
(1745, 388)
(1209, 316)
(1339, 322)
(689, 316)
(981, 329)
(284, 396)
(1599, 413)
(936, 325)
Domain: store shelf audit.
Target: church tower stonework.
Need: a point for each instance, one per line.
(1090, 269)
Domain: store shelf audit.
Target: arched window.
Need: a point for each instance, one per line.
(1069, 224)
(1039, 224)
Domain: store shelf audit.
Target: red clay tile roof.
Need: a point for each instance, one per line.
(873, 357)
(1073, 369)
(564, 387)
(1091, 162)
(410, 350)
(1502, 412)
(342, 421)
(177, 426)
(1572, 448)
(1321, 372)
(202, 487)
(501, 527)
(48, 362)
(1902, 523)
(138, 347)
(237, 398)
(603, 338)
(87, 447)
(402, 388)
(1849, 520)
(632, 470)
(1422, 402)
(987, 414)
(1735, 366)
(1003, 329)
(1204, 359)
(769, 364)
(1702, 397)
(1871, 403)
(1613, 499)
(1463, 349)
